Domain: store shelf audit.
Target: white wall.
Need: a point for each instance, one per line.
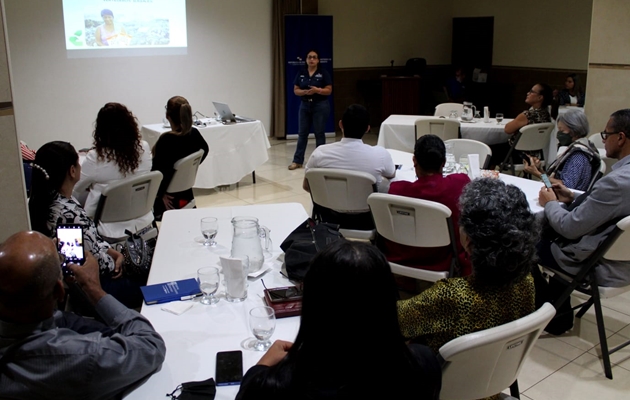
(368, 33)
(56, 98)
(534, 33)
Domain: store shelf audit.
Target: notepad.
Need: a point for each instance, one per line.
(171, 291)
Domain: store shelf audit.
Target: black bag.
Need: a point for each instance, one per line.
(138, 250)
(304, 243)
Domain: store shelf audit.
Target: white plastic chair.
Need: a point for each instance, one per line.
(344, 191)
(444, 109)
(616, 247)
(534, 137)
(484, 363)
(127, 199)
(185, 175)
(415, 222)
(463, 147)
(596, 138)
(444, 128)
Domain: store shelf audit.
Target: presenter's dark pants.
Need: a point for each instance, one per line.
(313, 113)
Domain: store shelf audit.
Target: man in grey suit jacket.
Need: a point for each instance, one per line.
(586, 221)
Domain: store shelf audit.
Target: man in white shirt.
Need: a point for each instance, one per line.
(352, 154)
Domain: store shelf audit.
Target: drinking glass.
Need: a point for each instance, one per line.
(449, 166)
(499, 118)
(464, 165)
(209, 230)
(208, 278)
(262, 322)
(453, 114)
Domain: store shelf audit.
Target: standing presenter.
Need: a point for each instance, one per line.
(313, 85)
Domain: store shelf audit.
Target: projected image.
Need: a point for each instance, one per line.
(103, 24)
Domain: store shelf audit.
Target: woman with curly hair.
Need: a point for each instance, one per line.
(118, 153)
(181, 141)
(499, 233)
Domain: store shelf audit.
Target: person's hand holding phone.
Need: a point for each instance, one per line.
(87, 277)
(563, 193)
(276, 353)
(531, 165)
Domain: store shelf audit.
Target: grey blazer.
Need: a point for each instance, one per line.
(609, 199)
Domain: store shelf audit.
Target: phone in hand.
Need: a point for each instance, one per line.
(70, 245)
(546, 181)
(229, 368)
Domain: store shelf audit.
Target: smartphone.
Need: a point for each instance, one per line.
(546, 180)
(281, 294)
(70, 244)
(398, 166)
(229, 369)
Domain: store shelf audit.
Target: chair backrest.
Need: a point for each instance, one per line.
(534, 137)
(185, 172)
(620, 249)
(444, 109)
(484, 363)
(340, 189)
(411, 221)
(463, 147)
(596, 138)
(442, 127)
(129, 198)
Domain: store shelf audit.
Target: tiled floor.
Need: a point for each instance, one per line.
(563, 367)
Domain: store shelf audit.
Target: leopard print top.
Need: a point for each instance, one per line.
(457, 306)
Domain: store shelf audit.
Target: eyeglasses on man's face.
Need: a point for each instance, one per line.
(534, 92)
(605, 134)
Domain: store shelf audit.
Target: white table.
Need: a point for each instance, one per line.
(236, 150)
(530, 187)
(398, 132)
(193, 338)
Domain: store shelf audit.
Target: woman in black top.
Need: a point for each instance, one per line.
(172, 146)
(313, 85)
(349, 345)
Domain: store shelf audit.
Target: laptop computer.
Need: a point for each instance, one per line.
(227, 115)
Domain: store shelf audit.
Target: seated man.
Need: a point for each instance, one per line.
(352, 154)
(587, 221)
(49, 354)
(429, 156)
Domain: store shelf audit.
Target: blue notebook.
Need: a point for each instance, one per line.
(170, 291)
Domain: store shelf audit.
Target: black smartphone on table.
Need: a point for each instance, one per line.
(70, 245)
(229, 368)
(280, 294)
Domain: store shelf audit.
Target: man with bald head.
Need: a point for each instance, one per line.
(49, 354)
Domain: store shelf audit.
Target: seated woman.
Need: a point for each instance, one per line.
(118, 153)
(349, 344)
(429, 156)
(499, 234)
(573, 93)
(539, 98)
(181, 141)
(576, 167)
(56, 171)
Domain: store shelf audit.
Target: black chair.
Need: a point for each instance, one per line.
(616, 247)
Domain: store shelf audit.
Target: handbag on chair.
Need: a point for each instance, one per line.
(138, 250)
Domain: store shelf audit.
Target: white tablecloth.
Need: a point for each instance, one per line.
(193, 338)
(528, 186)
(397, 131)
(235, 150)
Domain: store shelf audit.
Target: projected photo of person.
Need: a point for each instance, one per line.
(108, 34)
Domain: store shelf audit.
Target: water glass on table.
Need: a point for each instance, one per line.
(499, 118)
(208, 278)
(262, 322)
(209, 230)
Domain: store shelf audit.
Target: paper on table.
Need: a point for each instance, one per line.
(177, 307)
(473, 163)
(235, 277)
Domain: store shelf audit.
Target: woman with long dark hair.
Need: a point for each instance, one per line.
(118, 153)
(349, 344)
(56, 170)
(181, 141)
